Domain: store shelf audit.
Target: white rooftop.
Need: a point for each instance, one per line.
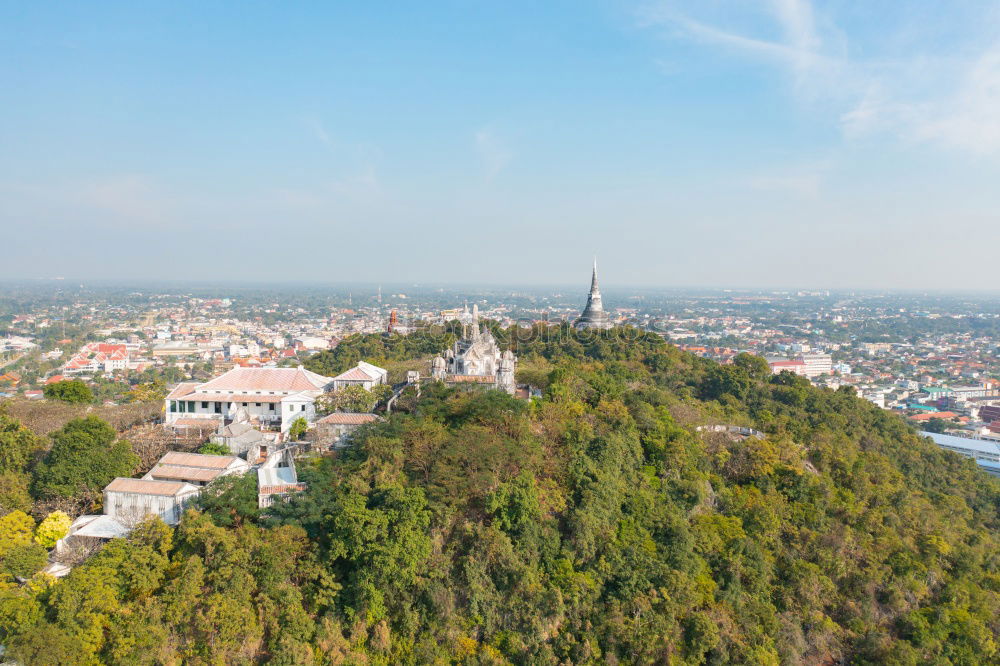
(98, 526)
(981, 446)
(275, 476)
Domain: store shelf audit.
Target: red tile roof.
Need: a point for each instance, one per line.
(354, 374)
(196, 423)
(181, 473)
(927, 416)
(106, 348)
(286, 488)
(271, 379)
(348, 418)
(197, 460)
(145, 486)
(234, 397)
(181, 390)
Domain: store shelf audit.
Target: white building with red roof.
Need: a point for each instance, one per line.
(796, 366)
(98, 357)
(274, 397)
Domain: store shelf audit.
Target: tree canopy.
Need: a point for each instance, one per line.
(595, 525)
(84, 457)
(72, 391)
(353, 398)
(18, 445)
(379, 349)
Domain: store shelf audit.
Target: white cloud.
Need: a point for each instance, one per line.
(948, 97)
(493, 152)
(801, 52)
(318, 129)
(969, 118)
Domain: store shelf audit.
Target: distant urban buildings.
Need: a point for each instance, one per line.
(817, 364)
(935, 360)
(796, 366)
(807, 365)
(985, 452)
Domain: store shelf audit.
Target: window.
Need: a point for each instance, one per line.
(218, 408)
(256, 404)
(191, 406)
(302, 408)
(272, 406)
(204, 404)
(173, 405)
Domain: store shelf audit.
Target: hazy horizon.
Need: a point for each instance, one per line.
(364, 289)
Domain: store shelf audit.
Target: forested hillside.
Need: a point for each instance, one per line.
(382, 349)
(595, 525)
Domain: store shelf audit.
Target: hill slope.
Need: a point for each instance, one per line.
(594, 526)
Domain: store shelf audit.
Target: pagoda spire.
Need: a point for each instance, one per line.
(593, 315)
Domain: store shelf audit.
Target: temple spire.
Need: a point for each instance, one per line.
(593, 315)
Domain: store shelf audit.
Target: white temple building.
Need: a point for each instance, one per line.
(476, 359)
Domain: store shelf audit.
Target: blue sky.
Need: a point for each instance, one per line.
(770, 143)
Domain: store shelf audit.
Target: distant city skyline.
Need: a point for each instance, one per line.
(773, 144)
(368, 291)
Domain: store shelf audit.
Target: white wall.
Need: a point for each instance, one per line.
(131, 507)
(291, 406)
(227, 409)
(295, 409)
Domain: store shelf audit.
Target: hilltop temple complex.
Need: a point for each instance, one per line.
(476, 359)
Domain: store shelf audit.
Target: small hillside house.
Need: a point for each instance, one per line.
(195, 468)
(130, 501)
(334, 429)
(363, 374)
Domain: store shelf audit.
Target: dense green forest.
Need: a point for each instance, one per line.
(595, 525)
(382, 349)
